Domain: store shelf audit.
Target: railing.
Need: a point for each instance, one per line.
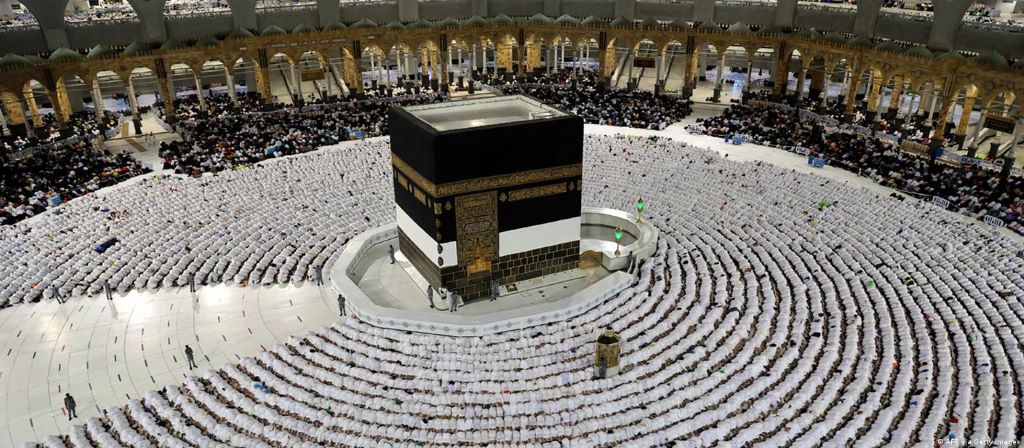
(197, 14)
(746, 3)
(994, 26)
(830, 7)
(84, 22)
(19, 27)
(285, 7)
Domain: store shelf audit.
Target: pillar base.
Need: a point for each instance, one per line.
(993, 150)
(891, 113)
(959, 139)
(972, 151)
(716, 97)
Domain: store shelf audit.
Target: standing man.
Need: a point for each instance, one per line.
(109, 292)
(192, 284)
(190, 356)
(494, 290)
(341, 305)
(320, 275)
(69, 403)
(391, 253)
(453, 300)
(430, 296)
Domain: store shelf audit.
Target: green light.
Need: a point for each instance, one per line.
(640, 205)
(618, 234)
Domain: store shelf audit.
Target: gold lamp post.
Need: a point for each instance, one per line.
(618, 240)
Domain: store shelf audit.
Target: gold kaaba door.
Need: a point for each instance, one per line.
(476, 216)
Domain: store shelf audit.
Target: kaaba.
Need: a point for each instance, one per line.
(487, 189)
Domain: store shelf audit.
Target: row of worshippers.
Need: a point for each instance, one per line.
(272, 224)
(968, 188)
(748, 325)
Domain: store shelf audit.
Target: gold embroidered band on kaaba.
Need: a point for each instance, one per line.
(485, 183)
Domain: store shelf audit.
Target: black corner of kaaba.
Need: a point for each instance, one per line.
(466, 190)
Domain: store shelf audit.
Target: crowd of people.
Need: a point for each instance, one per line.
(968, 188)
(57, 163)
(226, 136)
(31, 183)
(106, 12)
(985, 17)
(582, 94)
(764, 318)
(268, 4)
(49, 131)
(18, 18)
(193, 7)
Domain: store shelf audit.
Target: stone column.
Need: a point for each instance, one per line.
(472, 59)
(657, 69)
(801, 74)
(934, 100)
(61, 107)
(133, 101)
(981, 125)
(297, 81)
(847, 77)
(30, 99)
(897, 96)
(691, 69)
(721, 71)
(851, 96)
(965, 116)
(199, 90)
(533, 53)
(373, 68)
(446, 57)
(408, 10)
(876, 86)
(97, 100)
(230, 77)
(167, 91)
(327, 78)
(424, 59)
(4, 130)
(29, 129)
(750, 74)
(940, 126)
(5, 10)
(782, 75)
(926, 99)
(263, 84)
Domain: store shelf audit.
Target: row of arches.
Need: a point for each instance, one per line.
(309, 71)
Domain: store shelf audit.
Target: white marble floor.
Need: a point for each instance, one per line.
(105, 352)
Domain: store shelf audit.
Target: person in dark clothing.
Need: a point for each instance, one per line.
(69, 404)
(190, 356)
